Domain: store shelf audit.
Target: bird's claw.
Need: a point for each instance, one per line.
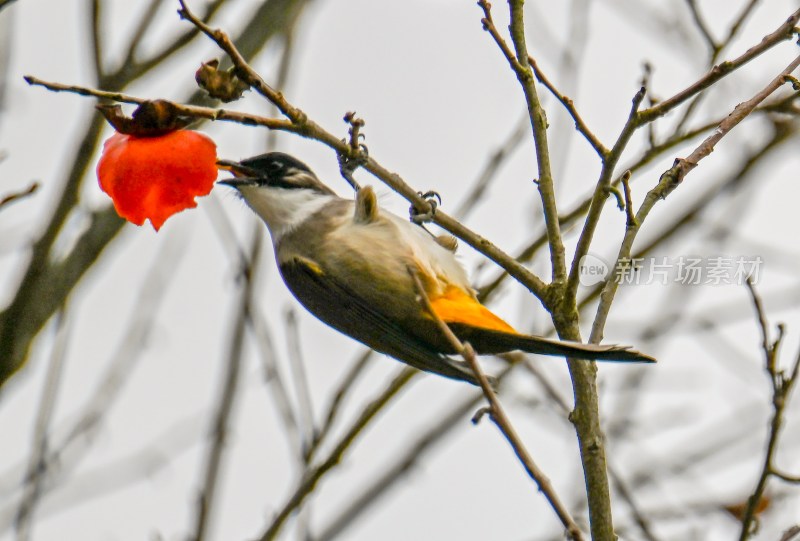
(349, 164)
(420, 216)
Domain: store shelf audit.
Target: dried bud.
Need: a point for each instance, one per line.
(222, 85)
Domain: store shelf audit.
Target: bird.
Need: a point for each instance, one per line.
(358, 268)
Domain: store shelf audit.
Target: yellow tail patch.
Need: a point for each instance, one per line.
(456, 306)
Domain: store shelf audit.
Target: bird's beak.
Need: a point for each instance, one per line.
(242, 175)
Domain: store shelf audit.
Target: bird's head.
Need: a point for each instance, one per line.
(281, 189)
(269, 171)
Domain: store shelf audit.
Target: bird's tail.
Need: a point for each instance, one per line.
(490, 341)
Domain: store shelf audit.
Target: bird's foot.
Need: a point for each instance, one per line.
(349, 164)
(420, 216)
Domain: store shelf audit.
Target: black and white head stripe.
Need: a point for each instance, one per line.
(273, 164)
(279, 170)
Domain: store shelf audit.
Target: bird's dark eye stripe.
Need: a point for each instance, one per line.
(282, 183)
(290, 182)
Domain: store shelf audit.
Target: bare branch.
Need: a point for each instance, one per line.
(569, 105)
(38, 463)
(491, 168)
(314, 474)
(95, 24)
(30, 190)
(498, 415)
(195, 111)
(518, 61)
(782, 385)
(335, 406)
(701, 25)
(670, 180)
(625, 179)
(300, 380)
(782, 33)
(233, 363)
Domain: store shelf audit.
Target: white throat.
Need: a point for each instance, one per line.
(284, 209)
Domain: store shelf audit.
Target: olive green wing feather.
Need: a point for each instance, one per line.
(342, 308)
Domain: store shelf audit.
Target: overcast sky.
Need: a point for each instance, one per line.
(437, 98)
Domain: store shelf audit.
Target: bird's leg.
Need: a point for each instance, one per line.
(358, 154)
(349, 164)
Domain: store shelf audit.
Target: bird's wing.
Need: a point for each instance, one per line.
(331, 300)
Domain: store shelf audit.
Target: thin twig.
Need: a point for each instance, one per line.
(784, 132)
(142, 26)
(314, 474)
(621, 486)
(194, 111)
(782, 385)
(626, 186)
(569, 105)
(259, 328)
(580, 210)
(518, 61)
(16, 196)
(397, 469)
(65, 454)
(793, 479)
(96, 25)
(38, 461)
(101, 481)
(670, 180)
(247, 75)
(132, 68)
(335, 406)
(701, 25)
(602, 187)
(782, 33)
(498, 415)
(297, 364)
(714, 53)
(233, 364)
(273, 377)
(491, 168)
